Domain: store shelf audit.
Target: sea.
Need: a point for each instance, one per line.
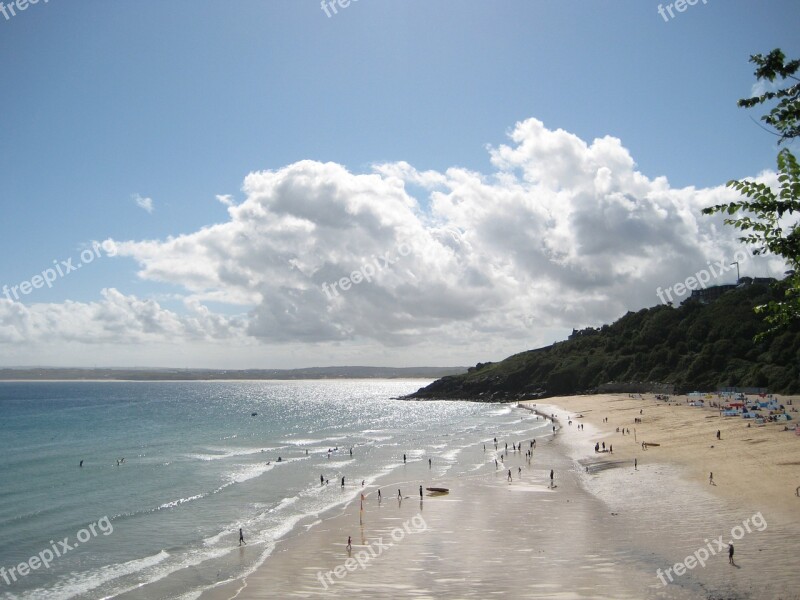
(172, 470)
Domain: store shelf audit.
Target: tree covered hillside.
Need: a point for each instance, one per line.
(694, 347)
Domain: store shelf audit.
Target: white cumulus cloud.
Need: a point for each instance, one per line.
(560, 233)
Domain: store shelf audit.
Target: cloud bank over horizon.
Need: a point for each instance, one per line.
(560, 234)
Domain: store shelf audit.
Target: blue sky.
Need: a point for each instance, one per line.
(179, 101)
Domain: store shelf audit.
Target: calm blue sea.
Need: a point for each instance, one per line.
(197, 466)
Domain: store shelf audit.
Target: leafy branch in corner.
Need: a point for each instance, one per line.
(764, 215)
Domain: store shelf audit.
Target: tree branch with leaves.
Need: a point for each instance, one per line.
(770, 219)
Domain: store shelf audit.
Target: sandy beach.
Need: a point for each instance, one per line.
(756, 465)
(604, 529)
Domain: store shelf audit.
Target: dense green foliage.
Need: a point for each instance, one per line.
(764, 215)
(694, 347)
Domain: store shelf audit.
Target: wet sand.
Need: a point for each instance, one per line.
(604, 533)
(487, 537)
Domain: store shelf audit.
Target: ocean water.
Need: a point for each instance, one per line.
(164, 522)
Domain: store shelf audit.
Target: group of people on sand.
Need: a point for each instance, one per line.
(610, 448)
(515, 447)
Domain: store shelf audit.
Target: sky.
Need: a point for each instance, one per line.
(275, 184)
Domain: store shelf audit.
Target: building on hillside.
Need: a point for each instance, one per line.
(711, 294)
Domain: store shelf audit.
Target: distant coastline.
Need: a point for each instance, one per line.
(150, 374)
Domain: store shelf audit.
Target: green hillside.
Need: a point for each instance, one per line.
(693, 347)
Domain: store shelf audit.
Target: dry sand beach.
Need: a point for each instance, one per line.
(605, 530)
(756, 465)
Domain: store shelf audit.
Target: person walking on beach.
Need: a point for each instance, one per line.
(321, 480)
(420, 493)
(635, 464)
(509, 475)
(551, 477)
(711, 478)
(349, 543)
(730, 554)
(429, 463)
(519, 471)
(404, 459)
(379, 496)
(342, 480)
(496, 466)
(241, 537)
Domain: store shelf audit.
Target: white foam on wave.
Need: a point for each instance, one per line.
(451, 455)
(75, 584)
(303, 442)
(223, 453)
(152, 574)
(247, 472)
(180, 501)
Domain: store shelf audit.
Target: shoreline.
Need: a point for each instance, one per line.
(687, 434)
(601, 495)
(472, 545)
